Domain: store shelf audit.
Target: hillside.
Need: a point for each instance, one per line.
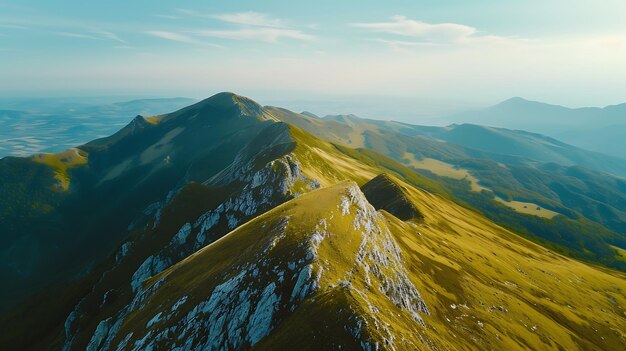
(572, 209)
(266, 237)
(454, 281)
(89, 202)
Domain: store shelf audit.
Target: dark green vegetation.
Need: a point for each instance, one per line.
(205, 226)
(51, 234)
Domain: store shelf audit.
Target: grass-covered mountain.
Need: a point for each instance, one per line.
(593, 128)
(259, 235)
(513, 177)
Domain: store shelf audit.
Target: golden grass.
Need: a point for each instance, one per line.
(154, 120)
(523, 295)
(60, 163)
(443, 169)
(486, 287)
(528, 208)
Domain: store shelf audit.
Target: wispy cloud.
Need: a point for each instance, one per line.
(77, 35)
(181, 38)
(443, 33)
(111, 36)
(251, 19)
(12, 26)
(268, 35)
(92, 35)
(172, 36)
(247, 18)
(251, 26)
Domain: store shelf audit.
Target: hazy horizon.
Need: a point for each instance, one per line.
(449, 53)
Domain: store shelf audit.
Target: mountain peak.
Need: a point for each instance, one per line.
(521, 103)
(246, 106)
(222, 106)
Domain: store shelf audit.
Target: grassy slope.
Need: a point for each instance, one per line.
(570, 191)
(523, 295)
(486, 287)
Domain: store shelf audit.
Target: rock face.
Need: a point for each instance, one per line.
(261, 177)
(262, 273)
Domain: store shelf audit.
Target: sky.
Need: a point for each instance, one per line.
(411, 55)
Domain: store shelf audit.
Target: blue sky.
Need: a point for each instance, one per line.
(469, 53)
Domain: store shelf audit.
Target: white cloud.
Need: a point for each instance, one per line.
(110, 35)
(92, 35)
(77, 35)
(268, 35)
(172, 36)
(436, 33)
(253, 26)
(181, 38)
(251, 19)
(247, 18)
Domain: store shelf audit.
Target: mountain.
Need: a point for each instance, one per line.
(524, 144)
(598, 129)
(511, 176)
(86, 197)
(327, 271)
(220, 226)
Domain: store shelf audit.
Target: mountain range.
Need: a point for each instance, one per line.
(593, 128)
(231, 225)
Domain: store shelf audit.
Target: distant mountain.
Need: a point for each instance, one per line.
(597, 129)
(222, 226)
(524, 144)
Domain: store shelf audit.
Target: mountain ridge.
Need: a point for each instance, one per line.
(252, 236)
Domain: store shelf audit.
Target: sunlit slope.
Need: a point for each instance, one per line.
(326, 271)
(487, 288)
(502, 173)
(327, 253)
